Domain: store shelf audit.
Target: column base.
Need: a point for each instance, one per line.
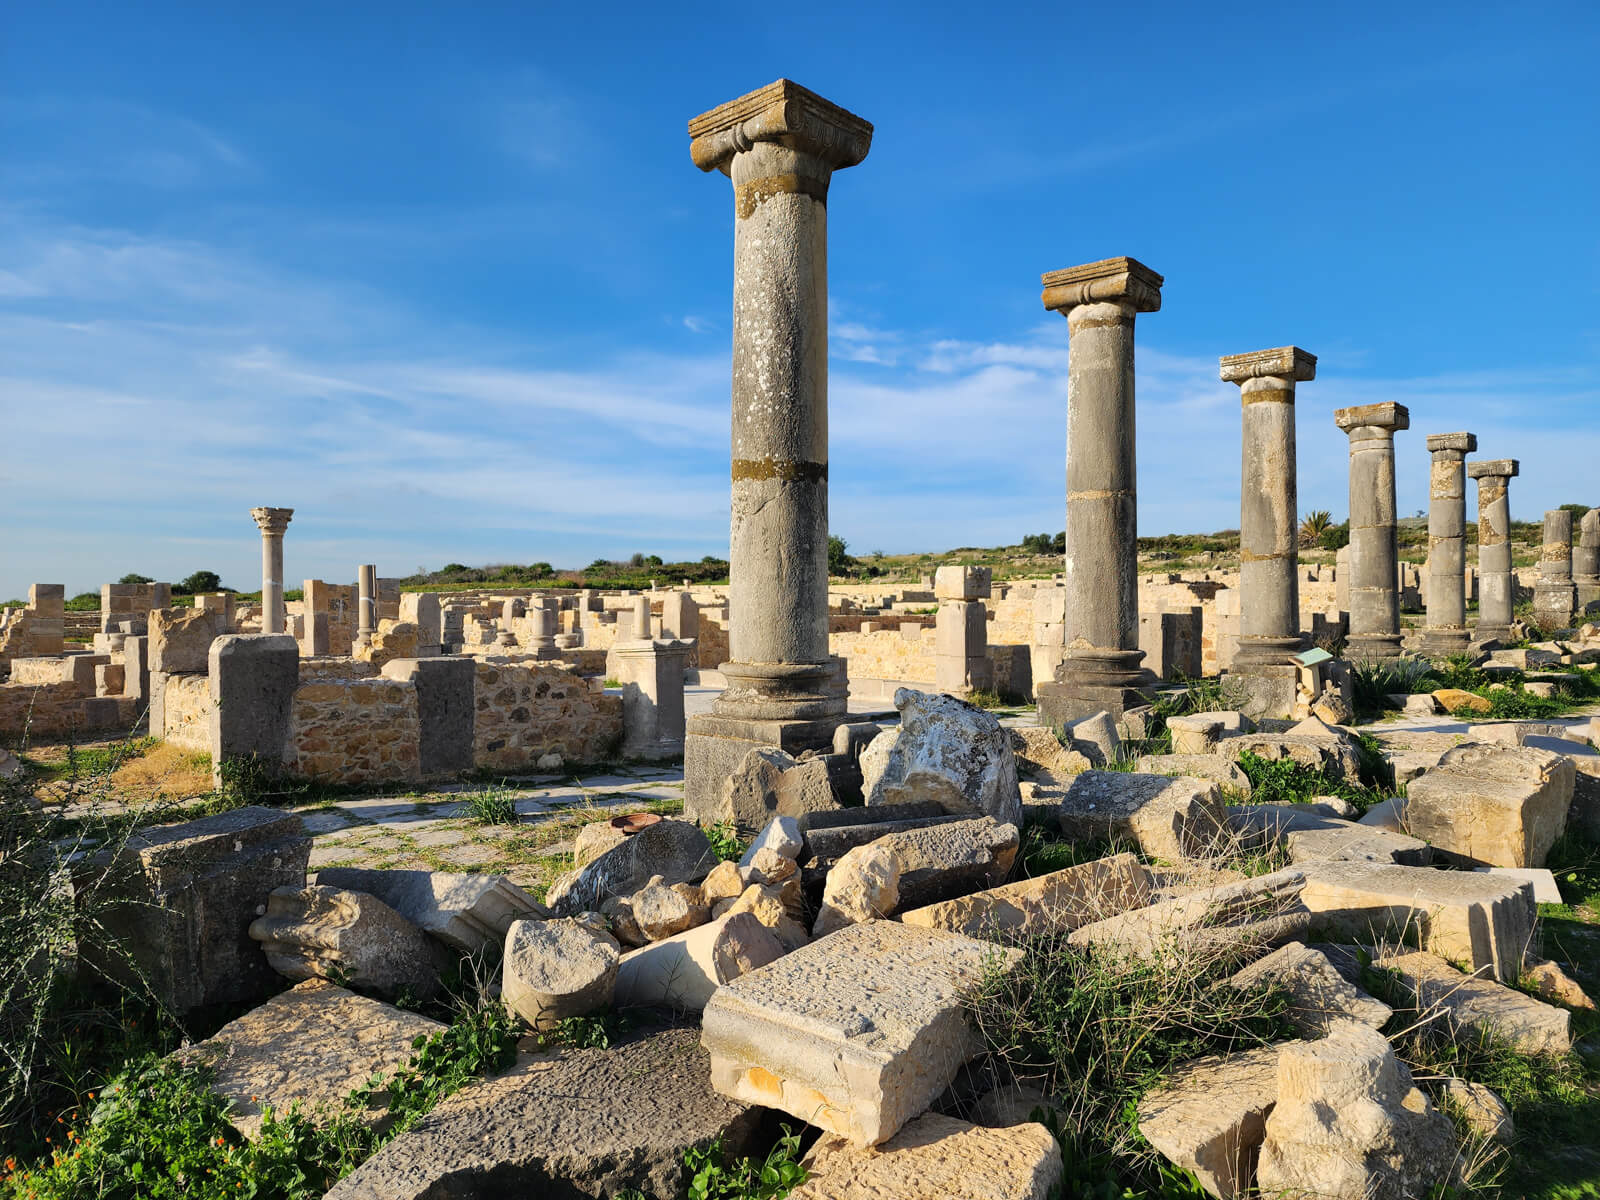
(1483, 634)
(1440, 642)
(1588, 598)
(1263, 691)
(1093, 680)
(1260, 650)
(715, 746)
(1553, 604)
(1362, 647)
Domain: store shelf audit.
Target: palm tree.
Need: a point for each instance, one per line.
(1313, 525)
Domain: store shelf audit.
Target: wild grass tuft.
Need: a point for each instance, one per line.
(492, 805)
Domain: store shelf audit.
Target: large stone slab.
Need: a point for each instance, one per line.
(1209, 1116)
(937, 1157)
(1496, 806)
(1232, 918)
(192, 891)
(856, 1033)
(1311, 836)
(939, 862)
(310, 1046)
(951, 753)
(584, 1123)
(1224, 772)
(1320, 995)
(328, 933)
(830, 843)
(683, 972)
(1335, 757)
(676, 850)
(1171, 818)
(468, 912)
(1055, 903)
(180, 639)
(1480, 921)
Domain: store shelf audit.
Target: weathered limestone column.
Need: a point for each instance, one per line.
(780, 146)
(651, 673)
(1586, 562)
(1495, 597)
(1100, 666)
(366, 605)
(1554, 597)
(272, 522)
(1269, 522)
(961, 630)
(1447, 543)
(1374, 575)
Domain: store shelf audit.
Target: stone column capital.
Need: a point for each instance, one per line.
(1493, 468)
(1458, 443)
(783, 112)
(1387, 417)
(272, 520)
(1286, 362)
(1125, 281)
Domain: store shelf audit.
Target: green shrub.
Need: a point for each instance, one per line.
(725, 841)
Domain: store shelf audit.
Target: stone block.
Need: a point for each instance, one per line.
(580, 1123)
(136, 669)
(180, 639)
(1168, 818)
(192, 890)
(446, 710)
(818, 1035)
(48, 600)
(1476, 1005)
(1224, 772)
(1055, 903)
(684, 972)
(1040, 755)
(1095, 737)
(253, 681)
(1492, 805)
(310, 1046)
(1477, 920)
(962, 583)
(422, 610)
(1335, 757)
(557, 969)
(468, 912)
(947, 752)
(1545, 888)
(1234, 918)
(863, 885)
(940, 862)
(782, 836)
(1195, 734)
(1209, 1116)
(827, 844)
(676, 850)
(1319, 995)
(1310, 836)
(320, 932)
(937, 1156)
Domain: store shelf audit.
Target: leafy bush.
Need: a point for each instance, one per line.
(1377, 679)
(725, 841)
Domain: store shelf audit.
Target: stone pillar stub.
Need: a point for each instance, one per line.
(446, 707)
(1269, 522)
(1495, 598)
(272, 522)
(1374, 550)
(779, 146)
(1554, 596)
(651, 673)
(252, 682)
(1100, 665)
(1586, 563)
(366, 604)
(1446, 631)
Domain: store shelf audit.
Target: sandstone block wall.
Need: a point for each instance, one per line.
(186, 709)
(528, 710)
(355, 731)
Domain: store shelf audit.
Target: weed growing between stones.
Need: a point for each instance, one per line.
(712, 1176)
(1284, 781)
(1377, 680)
(725, 841)
(492, 806)
(1094, 1032)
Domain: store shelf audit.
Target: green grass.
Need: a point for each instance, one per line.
(491, 806)
(1287, 782)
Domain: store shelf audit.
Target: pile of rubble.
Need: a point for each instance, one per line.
(830, 970)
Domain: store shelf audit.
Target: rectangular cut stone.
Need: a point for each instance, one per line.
(856, 1033)
(446, 707)
(1312, 837)
(310, 1046)
(252, 679)
(937, 1156)
(1169, 817)
(1058, 902)
(1252, 913)
(1479, 921)
(962, 583)
(1497, 806)
(1467, 443)
(469, 912)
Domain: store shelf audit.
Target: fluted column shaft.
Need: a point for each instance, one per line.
(1374, 551)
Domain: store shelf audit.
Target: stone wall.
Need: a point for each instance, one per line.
(528, 710)
(186, 708)
(355, 731)
(712, 651)
(884, 659)
(40, 710)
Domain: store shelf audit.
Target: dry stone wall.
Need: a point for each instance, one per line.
(355, 731)
(186, 711)
(528, 710)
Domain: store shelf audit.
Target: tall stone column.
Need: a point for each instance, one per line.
(1554, 597)
(1269, 529)
(1374, 552)
(1586, 562)
(272, 523)
(366, 605)
(1495, 599)
(779, 146)
(1447, 543)
(1100, 665)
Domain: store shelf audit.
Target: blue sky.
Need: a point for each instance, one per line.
(443, 278)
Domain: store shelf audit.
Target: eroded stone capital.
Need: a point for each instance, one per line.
(272, 520)
(1464, 443)
(783, 112)
(1286, 362)
(1120, 280)
(1387, 416)
(1493, 468)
